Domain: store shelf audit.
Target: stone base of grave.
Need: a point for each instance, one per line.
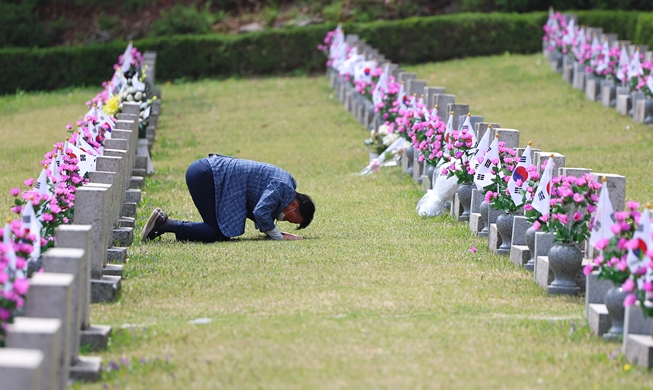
(87, 369)
(140, 162)
(113, 270)
(456, 210)
(598, 319)
(623, 104)
(590, 90)
(543, 274)
(117, 255)
(133, 195)
(563, 290)
(639, 350)
(105, 289)
(127, 222)
(21, 368)
(494, 239)
(475, 223)
(136, 182)
(595, 290)
(568, 73)
(635, 324)
(123, 236)
(95, 337)
(142, 172)
(129, 209)
(519, 255)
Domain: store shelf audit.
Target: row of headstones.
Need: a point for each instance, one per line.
(611, 93)
(42, 345)
(529, 251)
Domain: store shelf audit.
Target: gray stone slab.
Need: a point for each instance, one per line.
(494, 239)
(129, 209)
(44, 335)
(140, 162)
(131, 108)
(616, 187)
(139, 172)
(429, 95)
(543, 273)
(79, 236)
(136, 182)
(579, 77)
(123, 236)
(87, 203)
(418, 167)
(542, 157)
(575, 172)
(87, 369)
(509, 136)
(634, 98)
(456, 208)
(443, 101)
(113, 270)
(127, 222)
(608, 95)
(116, 255)
(96, 337)
(105, 289)
(635, 323)
(639, 350)
(519, 255)
(20, 369)
(543, 243)
(70, 261)
(474, 119)
(133, 195)
(623, 104)
(475, 223)
(568, 73)
(458, 111)
(591, 89)
(519, 227)
(477, 199)
(595, 290)
(405, 76)
(415, 87)
(482, 127)
(50, 296)
(598, 319)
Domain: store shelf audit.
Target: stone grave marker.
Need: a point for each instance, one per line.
(519, 252)
(20, 369)
(443, 101)
(579, 76)
(415, 87)
(458, 111)
(509, 136)
(429, 95)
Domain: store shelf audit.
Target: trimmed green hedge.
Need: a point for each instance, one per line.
(407, 41)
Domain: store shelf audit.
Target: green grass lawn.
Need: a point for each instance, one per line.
(375, 296)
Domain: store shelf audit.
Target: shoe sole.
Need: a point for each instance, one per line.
(150, 224)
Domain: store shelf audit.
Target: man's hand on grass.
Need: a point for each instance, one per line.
(290, 236)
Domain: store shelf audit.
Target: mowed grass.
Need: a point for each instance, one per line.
(375, 296)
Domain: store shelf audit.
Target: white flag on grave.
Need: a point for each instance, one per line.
(637, 257)
(363, 71)
(604, 58)
(603, 217)
(484, 175)
(568, 38)
(85, 161)
(33, 226)
(54, 166)
(381, 86)
(425, 114)
(449, 129)
(481, 149)
(10, 255)
(649, 82)
(126, 59)
(580, 43)
(624, 61)
(401, 97)
(520, 175)
(635, 67)
(542, 198)
(41, 184)
(138, 84)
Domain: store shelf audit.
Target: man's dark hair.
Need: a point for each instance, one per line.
(306, 209)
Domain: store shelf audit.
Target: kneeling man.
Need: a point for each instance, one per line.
(226, 191)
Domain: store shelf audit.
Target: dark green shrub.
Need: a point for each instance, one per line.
(182, 20)
(19, 25)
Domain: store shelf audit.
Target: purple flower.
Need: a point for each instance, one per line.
(630, 300)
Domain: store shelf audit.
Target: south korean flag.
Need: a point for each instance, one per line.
(484, 175)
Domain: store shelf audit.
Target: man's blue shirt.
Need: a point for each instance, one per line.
(249, 189)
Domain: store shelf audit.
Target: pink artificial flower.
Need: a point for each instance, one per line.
(628, 285)
(577, 216)
(536, 225)
(29, 182)
(14, 191)
(578, 198)
(630, 300)
(472, 249)
(602, 244)
(21, 286)
(588, 269)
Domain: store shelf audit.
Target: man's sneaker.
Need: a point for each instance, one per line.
(153, 225)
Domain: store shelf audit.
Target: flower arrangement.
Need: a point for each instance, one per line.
(13, 272)
(459, 151)
(497, 194)
(612, 263)
(554, 30)
(573, 199)
(380, 140)
(388, 108)
(365, 86)
(406, 119)
(428, 137)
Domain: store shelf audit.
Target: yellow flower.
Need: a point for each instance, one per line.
(111, 106)
(627, 367)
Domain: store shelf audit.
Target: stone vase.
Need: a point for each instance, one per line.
(565, 260)
(465, 199)
(409, 154)
(484, 210)
(529, 237)
(614, 302)
(504, 228)
(648, 118)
